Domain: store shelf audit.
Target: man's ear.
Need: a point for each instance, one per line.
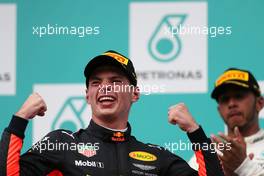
(259, 103)
(219, 110)
(136, 94)
(87, 96)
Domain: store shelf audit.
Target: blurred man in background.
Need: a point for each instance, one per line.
(239, 102)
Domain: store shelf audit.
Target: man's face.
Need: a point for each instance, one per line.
(106, 93)
(239, 107)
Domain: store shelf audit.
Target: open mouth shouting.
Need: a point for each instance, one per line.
(106, 100)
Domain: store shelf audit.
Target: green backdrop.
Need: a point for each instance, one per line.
(61, 59)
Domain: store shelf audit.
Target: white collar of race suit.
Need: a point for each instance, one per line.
(255, 137)
(123, 130)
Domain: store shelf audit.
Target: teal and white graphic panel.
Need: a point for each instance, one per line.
(167, 53)
(8, 28)
(179, 48)
(67, 109)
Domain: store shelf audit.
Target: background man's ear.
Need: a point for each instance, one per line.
(260, 103)
(219, 111)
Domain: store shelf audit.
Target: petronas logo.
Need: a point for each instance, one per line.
(165, 45)
(71, 114)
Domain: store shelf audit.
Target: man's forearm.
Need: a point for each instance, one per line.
(11, 144)
(205, 156)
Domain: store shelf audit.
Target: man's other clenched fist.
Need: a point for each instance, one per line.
(179, 114)
(34, 105)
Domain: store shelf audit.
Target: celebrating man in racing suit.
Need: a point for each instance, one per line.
(105, 147)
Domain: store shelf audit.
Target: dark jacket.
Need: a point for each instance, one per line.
(97, 151)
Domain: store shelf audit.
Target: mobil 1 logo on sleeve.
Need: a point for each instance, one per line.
(168, 45)
(66, 109)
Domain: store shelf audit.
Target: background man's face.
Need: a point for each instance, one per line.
(238, 107)
(105, 95)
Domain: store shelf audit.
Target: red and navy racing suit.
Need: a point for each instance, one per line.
(97, 151)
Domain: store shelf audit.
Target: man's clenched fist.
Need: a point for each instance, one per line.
(179, 114)
(34, 105)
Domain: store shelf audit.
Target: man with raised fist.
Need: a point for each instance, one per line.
(106, 147)
(33, 106)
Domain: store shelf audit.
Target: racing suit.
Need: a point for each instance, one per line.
(97, 151)
(254, 167)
